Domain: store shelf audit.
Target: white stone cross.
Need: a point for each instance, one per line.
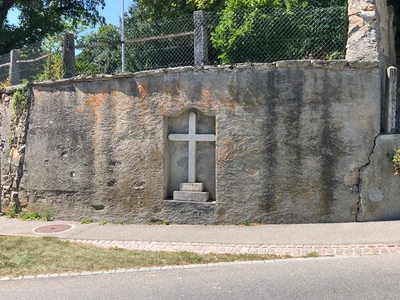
(192, 138)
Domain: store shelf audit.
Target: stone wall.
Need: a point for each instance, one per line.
(13, 116)
(291, 140)
(362, 32)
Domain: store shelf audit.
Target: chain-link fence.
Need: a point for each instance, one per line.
(34, 62)
(228, 37)
(273, 34)
(161, 44)
(39, 62)
(4, 68)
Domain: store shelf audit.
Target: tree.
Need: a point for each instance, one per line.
(160, 9)
(101, 52)
(157, 53)
(40, 18)
(271, 30)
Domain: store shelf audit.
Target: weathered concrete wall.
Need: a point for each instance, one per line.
(291, 139)
(379, 188)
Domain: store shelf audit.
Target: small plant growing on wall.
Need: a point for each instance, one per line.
(396, 161)
(20, 96)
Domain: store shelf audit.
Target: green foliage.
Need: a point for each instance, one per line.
(158, 53)
(46, 216)
(153, 10)
(103, 222)
(120, 223)
(270, 30)
(149, 18)
(20, 97)
(35, 215)
(15, 212)
(30, 215)
(311, 255)
(21, 256)
(12, 212)
(396, 161)
(39, 18)
(165, 222)
(214, 5)
(87, 221)
(53, 68)
(101, 53)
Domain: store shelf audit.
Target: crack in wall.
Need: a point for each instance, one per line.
(359, 203)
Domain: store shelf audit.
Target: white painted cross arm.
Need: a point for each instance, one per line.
(178, 137)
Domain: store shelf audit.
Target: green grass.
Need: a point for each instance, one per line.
(87, 221)
(33, 255)
(311, 255)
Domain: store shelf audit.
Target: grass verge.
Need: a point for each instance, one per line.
(31, 255)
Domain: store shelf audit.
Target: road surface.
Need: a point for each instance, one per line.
(375, 277)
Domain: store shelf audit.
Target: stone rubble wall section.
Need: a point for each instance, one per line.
(12, 146)
(362, 32)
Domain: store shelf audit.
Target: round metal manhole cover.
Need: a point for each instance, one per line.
(56, 228)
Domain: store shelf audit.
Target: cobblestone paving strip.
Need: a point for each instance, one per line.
(291, 250)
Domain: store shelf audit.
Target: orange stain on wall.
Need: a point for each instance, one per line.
(122, 104)
(94, 105)
(142, 90)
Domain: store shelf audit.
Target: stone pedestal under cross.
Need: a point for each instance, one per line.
(191, 191)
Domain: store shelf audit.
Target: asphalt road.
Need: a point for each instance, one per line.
(375, 277)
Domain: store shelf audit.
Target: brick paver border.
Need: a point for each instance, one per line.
(293, 250)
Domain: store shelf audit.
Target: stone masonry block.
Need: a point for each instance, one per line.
(191, 196)
(192, 187)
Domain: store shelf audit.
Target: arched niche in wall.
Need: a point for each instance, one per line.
(179, 164)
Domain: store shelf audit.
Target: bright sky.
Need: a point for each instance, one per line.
(111, 12)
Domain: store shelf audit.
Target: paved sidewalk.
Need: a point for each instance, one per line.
(341, 239)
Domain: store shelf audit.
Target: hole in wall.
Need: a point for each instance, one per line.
(112, 182)
(97, 206)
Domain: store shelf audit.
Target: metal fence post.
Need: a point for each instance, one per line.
(200, 38)
(122, 36)
(14, 73)
(68, 53)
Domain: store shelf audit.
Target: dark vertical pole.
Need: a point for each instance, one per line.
(14, 72)
(200, 38)
(68, 53)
